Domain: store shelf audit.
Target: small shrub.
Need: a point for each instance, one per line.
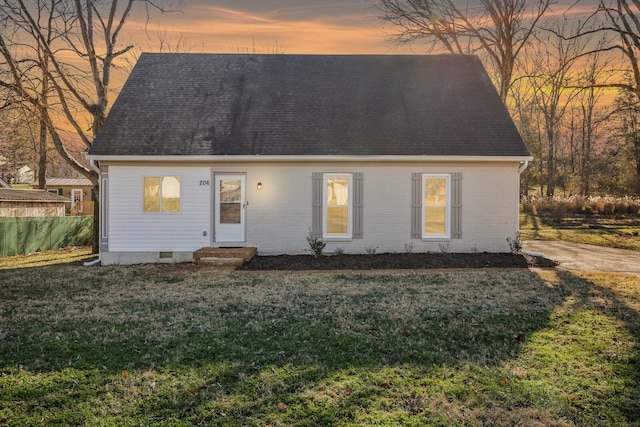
(409, 247)
(527, 205)
(475, 250)
(572, 204)
(515, 244)
(445, 247)
(622, 207)
(609, 208)
(371, 250)
(338, 251)
(598, 205)
(633, 208)
(316, 244)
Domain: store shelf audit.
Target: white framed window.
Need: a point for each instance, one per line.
(436, 206)
(337, 205)
(162, 194)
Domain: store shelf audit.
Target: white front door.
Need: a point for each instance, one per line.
(230, 208)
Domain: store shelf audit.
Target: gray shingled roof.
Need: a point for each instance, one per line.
(210, 104)
(12, 195)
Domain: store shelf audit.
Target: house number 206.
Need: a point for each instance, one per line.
(205, 182)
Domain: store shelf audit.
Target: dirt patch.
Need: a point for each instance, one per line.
(395, 261)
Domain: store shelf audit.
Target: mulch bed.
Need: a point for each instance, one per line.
(395, 261)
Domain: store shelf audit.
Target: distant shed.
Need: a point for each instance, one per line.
(78, 190)
(31, 203)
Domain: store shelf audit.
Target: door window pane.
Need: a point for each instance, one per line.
(230, 201)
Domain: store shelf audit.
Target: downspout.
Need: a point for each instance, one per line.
(92, 165)
(523, 166)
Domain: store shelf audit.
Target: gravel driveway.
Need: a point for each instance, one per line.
(577, 256)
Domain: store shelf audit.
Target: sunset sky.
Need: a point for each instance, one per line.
(294, 26)
(288, 26)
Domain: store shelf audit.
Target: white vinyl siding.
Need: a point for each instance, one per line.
(133, 229)
(280, 215)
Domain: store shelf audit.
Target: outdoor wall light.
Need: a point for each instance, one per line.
(259, 186)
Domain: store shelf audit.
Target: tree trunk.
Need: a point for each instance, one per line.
(42, 155)
(585, 175)
(44, 130)
(636, 143)
(551, 164)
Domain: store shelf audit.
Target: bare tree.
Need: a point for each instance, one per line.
(623, 19)
(627, 115)
(527, 119)
(592, 116)
(20, 144)
(498, 29)
(617, 22)
(17, 141)
(552, 82)
(73, 54)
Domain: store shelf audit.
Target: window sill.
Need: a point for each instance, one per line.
(337, 239)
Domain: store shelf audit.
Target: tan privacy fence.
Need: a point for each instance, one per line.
(19, 235)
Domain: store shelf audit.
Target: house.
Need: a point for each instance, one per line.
(78, 190)
(31, 203)
(25, 175)
(393, 152)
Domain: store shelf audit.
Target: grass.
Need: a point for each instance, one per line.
(166, 346)
(610, 231)
(39, 259)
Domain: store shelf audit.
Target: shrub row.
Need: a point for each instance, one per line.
(580, 205)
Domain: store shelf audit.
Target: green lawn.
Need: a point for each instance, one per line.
(615, 232)
(166, 346)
